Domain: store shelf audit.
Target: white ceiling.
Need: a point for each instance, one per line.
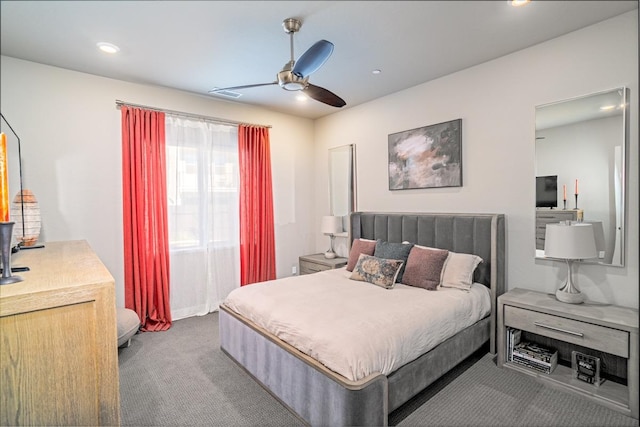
(198, 45)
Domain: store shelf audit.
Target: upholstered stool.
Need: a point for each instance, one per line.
(128, 324)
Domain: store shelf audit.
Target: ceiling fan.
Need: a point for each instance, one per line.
(295, 74)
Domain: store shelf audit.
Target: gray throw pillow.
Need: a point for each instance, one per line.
(399, 251)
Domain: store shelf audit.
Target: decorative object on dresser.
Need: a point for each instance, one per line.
(426, 157)
(59, 355)
(598, 331)
(6, 231)
(570, 242)
(318, 262)
(26, 211)
(331, 225)
(6, 226)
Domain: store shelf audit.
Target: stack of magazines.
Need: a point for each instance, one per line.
(531, 355)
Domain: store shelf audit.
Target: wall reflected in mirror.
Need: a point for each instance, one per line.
(342, 182)
(580, 147)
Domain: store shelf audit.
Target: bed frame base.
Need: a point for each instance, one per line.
(318, 396)
(309, 393)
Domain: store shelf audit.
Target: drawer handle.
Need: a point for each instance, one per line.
(553, 328)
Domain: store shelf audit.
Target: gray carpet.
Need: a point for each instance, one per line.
(181, 378)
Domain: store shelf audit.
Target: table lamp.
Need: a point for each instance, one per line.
(570, 242)
(331, 225)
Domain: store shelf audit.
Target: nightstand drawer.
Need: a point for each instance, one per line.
(597, 337)
(318, 262)
(307, 267)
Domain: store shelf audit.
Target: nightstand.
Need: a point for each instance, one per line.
(604, 329)
(317, 262)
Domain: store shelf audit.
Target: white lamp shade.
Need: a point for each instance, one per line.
(331, 225)
(575, 241)
(598, 231)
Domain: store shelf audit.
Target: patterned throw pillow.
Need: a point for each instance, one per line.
(424, 267)
(390, 250)
(379, 271)
(359, 246)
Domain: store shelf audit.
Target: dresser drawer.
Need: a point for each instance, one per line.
(609, 340)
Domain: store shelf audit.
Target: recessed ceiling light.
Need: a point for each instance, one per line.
(517, 3)
(108, 47)
(376, 71)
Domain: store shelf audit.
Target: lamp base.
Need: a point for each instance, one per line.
(569, 298)
(329, 254)
(569, 292)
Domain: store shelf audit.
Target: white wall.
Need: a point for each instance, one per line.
(69, 128)
(496, 102)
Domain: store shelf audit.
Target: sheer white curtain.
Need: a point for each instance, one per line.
(202, 185)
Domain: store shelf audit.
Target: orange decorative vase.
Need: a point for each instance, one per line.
(25, 211)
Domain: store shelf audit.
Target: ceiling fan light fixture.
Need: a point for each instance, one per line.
(289, 81)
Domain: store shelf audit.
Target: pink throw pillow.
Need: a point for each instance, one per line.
(360, 246)
(424, 267)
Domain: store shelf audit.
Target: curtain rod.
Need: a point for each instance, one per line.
(189, 115)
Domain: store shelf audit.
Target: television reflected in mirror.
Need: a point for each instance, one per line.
(547, 191)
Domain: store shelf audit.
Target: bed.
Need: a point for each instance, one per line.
(319, 395)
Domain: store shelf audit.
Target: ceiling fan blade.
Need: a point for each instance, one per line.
(313, 58)
(220, 89)
(323, 95)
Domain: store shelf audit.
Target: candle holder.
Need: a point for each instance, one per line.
(6, 231)
(576, 200)
(565, 204)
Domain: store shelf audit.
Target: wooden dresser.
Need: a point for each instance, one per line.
(58, 336)
(551, 216)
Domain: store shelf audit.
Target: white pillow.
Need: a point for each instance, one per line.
(458, 270)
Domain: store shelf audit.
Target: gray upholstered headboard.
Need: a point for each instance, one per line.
(479, 234)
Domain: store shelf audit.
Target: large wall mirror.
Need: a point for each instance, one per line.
(342, 181)
(580, 148)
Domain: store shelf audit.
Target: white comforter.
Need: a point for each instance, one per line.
(356, 328)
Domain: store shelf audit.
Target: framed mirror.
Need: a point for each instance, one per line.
(580, 148)
(342, 181)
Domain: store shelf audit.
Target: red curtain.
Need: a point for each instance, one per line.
(146, 242)
(257, 242)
